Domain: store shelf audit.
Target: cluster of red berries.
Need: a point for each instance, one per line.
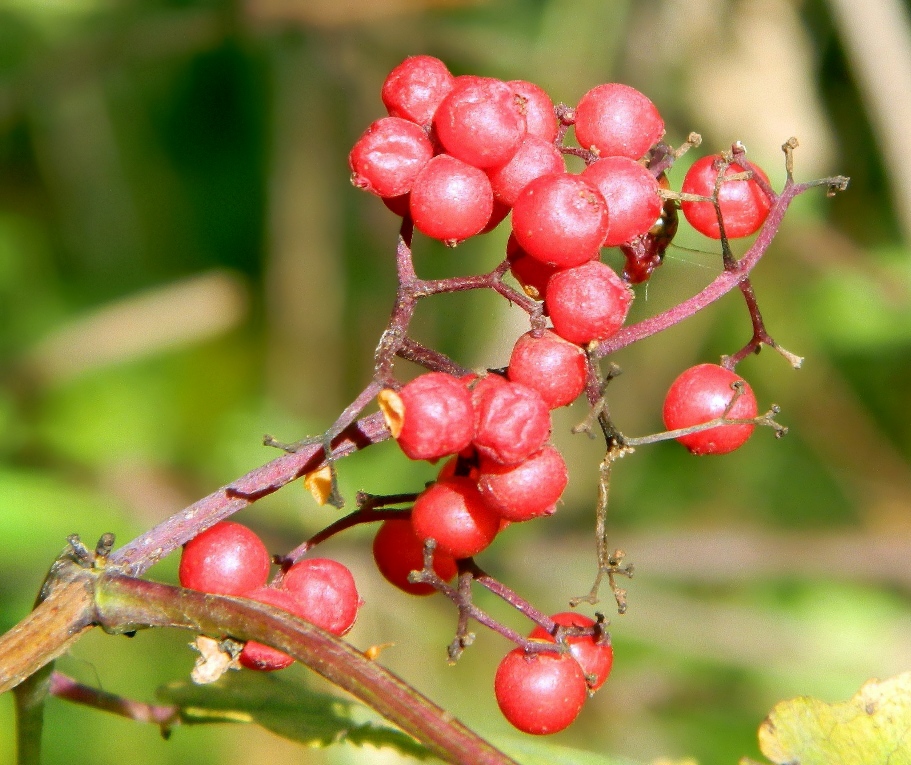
(458, 154)
(230, 559)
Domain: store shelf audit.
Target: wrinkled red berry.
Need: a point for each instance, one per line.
(527, 490)
(511, 422)
(438, 418)
(415, 88)
(388, 157)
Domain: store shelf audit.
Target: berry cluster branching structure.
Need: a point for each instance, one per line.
(456, 157)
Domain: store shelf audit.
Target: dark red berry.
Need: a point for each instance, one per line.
(534, 157)
(531, 274)
(398, 551)
(703, 393)
(551, 365)
(527, 490)
(480, 121)
(415, 88)
(256, 655)
(560, 219)
(388, 157)
(453, 513)
(617, 121)
(511, 422)
(744, 205)
(226, 559)
(631, 193)
(540, 119)
(596, 657)
(540, 693)
(325, 592)
(450, 200)
(587, 303)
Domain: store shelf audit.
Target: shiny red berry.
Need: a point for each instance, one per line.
(450, 200)
(540, 693)
(415, 88)
(551, 365)
(528, 490)
(453, 513)
(397, 552)
(631, 193)
(587, 303)
(744, 205)
(617, 121)
(703, 393)
(595, 656)
(226, 559)
(325, 592)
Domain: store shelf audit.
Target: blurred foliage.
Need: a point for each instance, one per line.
(184, 267)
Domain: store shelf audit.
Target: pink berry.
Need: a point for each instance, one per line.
(453, 513)
(438, 418)
(527, 490)
(415, 88)
(595, 658)
(631, 193)
(226, 559)
(325, 593)
(398, 551)
(388, 157)
(703, 393)
(511, 422)
(450, 200)
(744, 205)
(480, 122)
(617, 121)
(534, 157)
(540, 693)
(551, 365)
(538, 109)
(587, 303)
(262, 657)
(560, 219)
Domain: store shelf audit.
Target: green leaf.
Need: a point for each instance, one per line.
(873, 727)
(288, 708)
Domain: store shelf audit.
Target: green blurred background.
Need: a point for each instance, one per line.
(184, 267)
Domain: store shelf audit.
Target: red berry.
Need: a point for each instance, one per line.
(631, 193)
(438, 418)
(540, 119)
(560, 219)
(450, 200)
(595, 658)
(534, 157)
(226, 559)
(703, 393)
(454, 514)
(480, 121)
(325, 592)
(511, 422)
(540, 693)
(617, 121)
(549, 364)
(531, 274)
(388, 157)
(256, 655)
(398, 551)
(587, 303)
(527, 490)
(744, 205)
(415, 88)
